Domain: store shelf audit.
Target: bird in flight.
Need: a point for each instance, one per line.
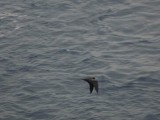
(93, 83)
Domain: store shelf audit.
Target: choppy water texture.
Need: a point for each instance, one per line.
(48, 46)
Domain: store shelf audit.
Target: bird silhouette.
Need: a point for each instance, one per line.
(93, 83)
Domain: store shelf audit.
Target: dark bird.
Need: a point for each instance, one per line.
(93, 83)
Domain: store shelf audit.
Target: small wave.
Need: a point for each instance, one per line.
(152, 117)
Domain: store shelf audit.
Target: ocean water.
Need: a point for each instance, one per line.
(48, 46)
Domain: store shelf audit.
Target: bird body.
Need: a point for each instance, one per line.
(93, 83)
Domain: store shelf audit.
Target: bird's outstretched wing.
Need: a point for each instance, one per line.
(90, 84)
(96, 86)
(91, 88)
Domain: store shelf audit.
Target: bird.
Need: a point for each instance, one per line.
(93, 83)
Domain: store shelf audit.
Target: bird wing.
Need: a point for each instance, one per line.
(91, 87)
(96, 86)
(90, 84)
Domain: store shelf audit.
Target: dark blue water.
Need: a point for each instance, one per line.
(48, 46)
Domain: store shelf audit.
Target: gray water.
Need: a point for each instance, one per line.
(48, 46)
